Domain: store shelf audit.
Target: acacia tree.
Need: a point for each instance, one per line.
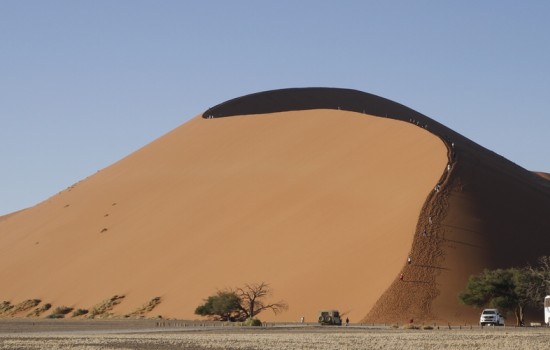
(252, 300)
(510, 289)
(500, 288)
(223, 306)
(240, 304)
(538, 284)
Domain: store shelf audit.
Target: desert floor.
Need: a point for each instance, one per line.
(173, 335)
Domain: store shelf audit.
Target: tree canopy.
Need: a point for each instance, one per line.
(240, 304)
(511, 289)
(224, 306)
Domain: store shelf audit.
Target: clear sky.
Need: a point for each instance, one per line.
(85, 83)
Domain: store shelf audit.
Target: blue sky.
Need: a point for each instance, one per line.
(85, 83)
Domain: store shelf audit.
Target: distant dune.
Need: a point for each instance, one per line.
(323, 193)
(544, 175)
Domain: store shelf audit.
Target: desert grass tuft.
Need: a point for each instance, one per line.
(145, 308)
(39, 310)
(102, 309)
(5, 306)
(79, 312)
(24, 306)
(60, 312)
(63, 310)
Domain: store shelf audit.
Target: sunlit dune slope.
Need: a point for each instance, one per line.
(323, 193)
(487, 212)
(321, 204)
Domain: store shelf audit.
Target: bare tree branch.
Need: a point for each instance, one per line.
(252, 302)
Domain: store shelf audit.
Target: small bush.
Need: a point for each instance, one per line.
(145, 308)
(39, 310)
(24, 306)
(412, 326)
(5, 306)
(102, 309)
(62, 310)
(79, 312)
(253, 322)
(428, 327)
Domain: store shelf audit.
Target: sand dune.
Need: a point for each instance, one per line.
(544, 175)
(307, 189)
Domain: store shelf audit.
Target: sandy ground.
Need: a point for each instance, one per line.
(146, 335)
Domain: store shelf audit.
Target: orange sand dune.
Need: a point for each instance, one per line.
(307, 189)
(544, 175)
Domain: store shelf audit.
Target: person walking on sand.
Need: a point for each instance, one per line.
(347, 321)
(409, 260)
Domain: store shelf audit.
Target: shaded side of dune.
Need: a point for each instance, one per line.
(485, 212)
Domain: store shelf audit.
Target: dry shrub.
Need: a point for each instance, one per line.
(253, 322)
(60, 312)
(24, 306)
(102, 309)
(5, 306)
(145, 308)
(39, 310)
(79, 312)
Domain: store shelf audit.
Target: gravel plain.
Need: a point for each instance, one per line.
(147, 335)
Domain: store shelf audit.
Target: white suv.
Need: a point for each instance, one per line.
(491, 317)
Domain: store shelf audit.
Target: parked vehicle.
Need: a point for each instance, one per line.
(491, 317)
(330, 317)
(547, 310)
